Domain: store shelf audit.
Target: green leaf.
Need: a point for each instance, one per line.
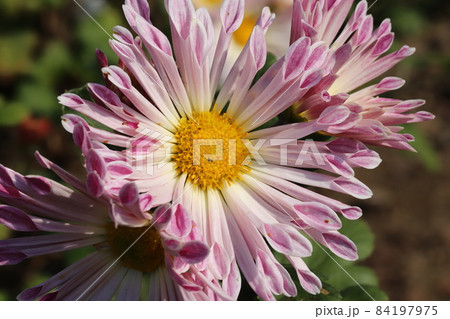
(356, 293)
(4, 296)
(93, 37)
(268, 124)
(36, 279)
(12, 114)
(53, 63)
(407, 20)
(361, 234)
(4, 232)
(348, 275)
(15, 52)
(74, 255)
(425, 151)
(39, 98)
(318, 257)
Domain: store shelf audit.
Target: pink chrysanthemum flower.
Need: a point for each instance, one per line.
(246, 191)
(125, 256)
(359, 57)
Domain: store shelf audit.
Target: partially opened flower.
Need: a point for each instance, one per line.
(359, 54)
(126, 255)
(243, 186)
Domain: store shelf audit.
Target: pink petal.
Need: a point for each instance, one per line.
(193, 252)
(118, 77)
(181, 13)
(353, 187)
(232, 14)
(408, 105)
(341, 245)
(180, 224)
(81, 138)
(94, 184)
(128, 194)
(345, 145)
(318, 216)
(70, 100)
(69, 121)
(199, 40)
(364, 31)
(383, 44)
(119, 169)
(123, 35)
(219, 261)
(269, 268)
(30, 294)
(101, 58)
(186, 284)
(265, 19)
(333, 115)
(162, 215)
(338, 165)
(310, 282)
(11, 257)
(405, 52)
(384, 27)
(104, 94)
(232, 283)
(126, 217)
(153, 36)
(39, 184)
(113, 187)
(318, 54)
(342, 55)
(301, 247)
(296, 58)
(311, 78)
(172, 244)
(141, 7)
(352, 213)
(94, 162)
(278, 238)
(258, 47)
(366, 158)
(5, 178)
(16, 219)
(145, 202)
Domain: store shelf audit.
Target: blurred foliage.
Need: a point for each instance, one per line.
(50, 48)
(4, 232)
(425, 151)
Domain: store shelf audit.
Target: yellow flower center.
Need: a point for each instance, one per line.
(209, 148)
(213, 2)
(242, 34)
(145, 255)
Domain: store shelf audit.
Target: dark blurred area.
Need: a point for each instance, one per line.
(48, 47)
(409, 212)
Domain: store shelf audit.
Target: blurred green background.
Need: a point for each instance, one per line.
(48, 47)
